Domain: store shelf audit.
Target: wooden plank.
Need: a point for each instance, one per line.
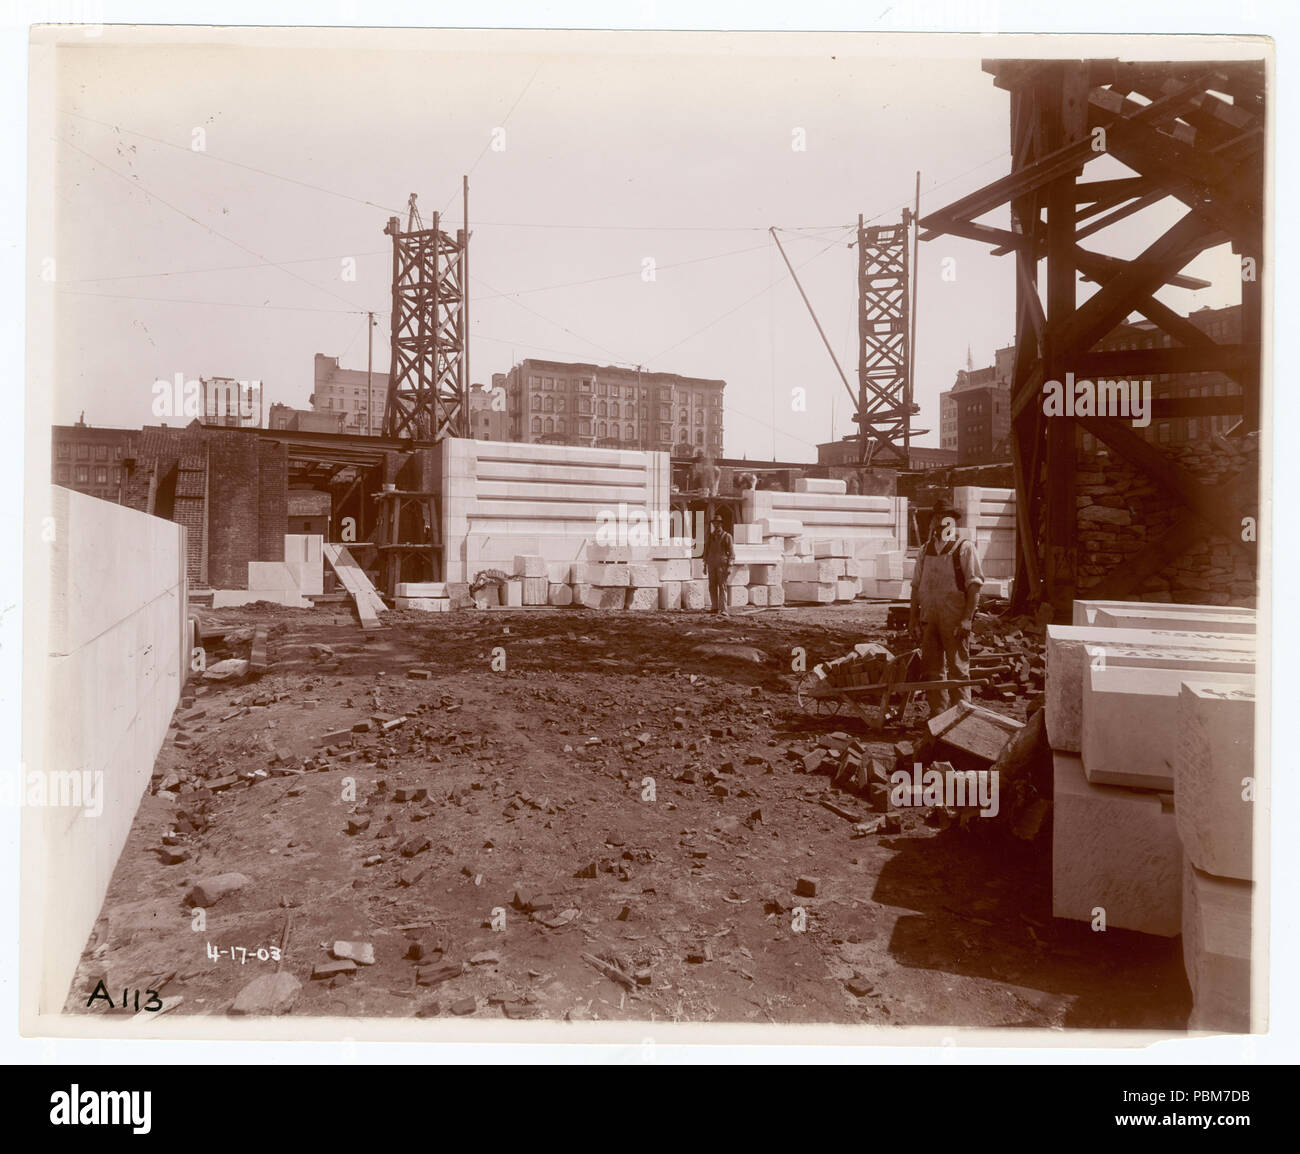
(367, 601)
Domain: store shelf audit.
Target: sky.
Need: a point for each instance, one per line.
(214, 191)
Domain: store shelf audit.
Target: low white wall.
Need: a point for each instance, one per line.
(505, 498)
(853, 517)
(989, 519)
(114, 660)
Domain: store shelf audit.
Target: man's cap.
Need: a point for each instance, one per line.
(716, 518)
(945, 508)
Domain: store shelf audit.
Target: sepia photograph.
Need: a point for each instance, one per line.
(701, 535)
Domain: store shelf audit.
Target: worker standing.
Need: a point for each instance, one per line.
(945, 594)
(719, 552)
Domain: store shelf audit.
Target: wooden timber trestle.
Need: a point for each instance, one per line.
(1195, 134)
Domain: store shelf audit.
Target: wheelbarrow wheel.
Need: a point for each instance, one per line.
(816, 705)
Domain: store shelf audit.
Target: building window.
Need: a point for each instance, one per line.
(630, 435)
(101, 474)
(601, 409)
(64, 451)
(101, 452)
(683, 438)
(548, 382)
(62, 473)
(584, 428)
(665, 413)
(584, 405)
(549, 404)
(681, 417)
(83, 474)
(559, 404)
(533, 382)
(699, 436)
(559, 425)
(550, 424)
(537, 403)
(83, 452)
(699, 416)
(613, 409)
(600, 388)
(561, 383)
(613, 432)
(600, 429)
(584, 385)
(537, 424)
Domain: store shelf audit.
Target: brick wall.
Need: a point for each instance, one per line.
(231, 495)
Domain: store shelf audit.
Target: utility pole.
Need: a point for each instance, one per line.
(464, 299)
(911, 342)
(370, 370)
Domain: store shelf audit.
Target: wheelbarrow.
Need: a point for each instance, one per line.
(880, 703)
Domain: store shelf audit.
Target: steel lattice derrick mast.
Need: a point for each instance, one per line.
(884, 368)
(428, 389)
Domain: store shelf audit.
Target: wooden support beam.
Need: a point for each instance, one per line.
(1137, 280)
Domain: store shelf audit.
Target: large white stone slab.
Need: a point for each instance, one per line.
(272, 575)
(1155, 616)
(643, 597)
(747, 534)
(529, 565)
(817, 571)
(822, 592)
(670, 595)
(421, 589)
(1116, 850)
(1215, 755)
(1130, 723)
(695, 595)
(1216, 950)
(1085, 609)
(820, 485)
(678, 569)
(831, 547)
(1067, 663)
(305, 556)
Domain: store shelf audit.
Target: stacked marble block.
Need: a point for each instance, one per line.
(826, 539)
(288, 582)
(505, 499)
(758, 572)
(1152, 732)
(988, 517)
(426, 596)
(633, 577)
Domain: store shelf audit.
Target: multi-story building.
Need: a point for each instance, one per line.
(92, 460)
(1223, 326)
(605, 405)
(489, 411)
(975, 414)
(232, 404)
(304, 420)
(360, 396)
(845, 452)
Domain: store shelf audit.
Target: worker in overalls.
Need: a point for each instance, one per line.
(945, 594)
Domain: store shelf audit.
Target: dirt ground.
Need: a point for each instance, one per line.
(535, 775)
